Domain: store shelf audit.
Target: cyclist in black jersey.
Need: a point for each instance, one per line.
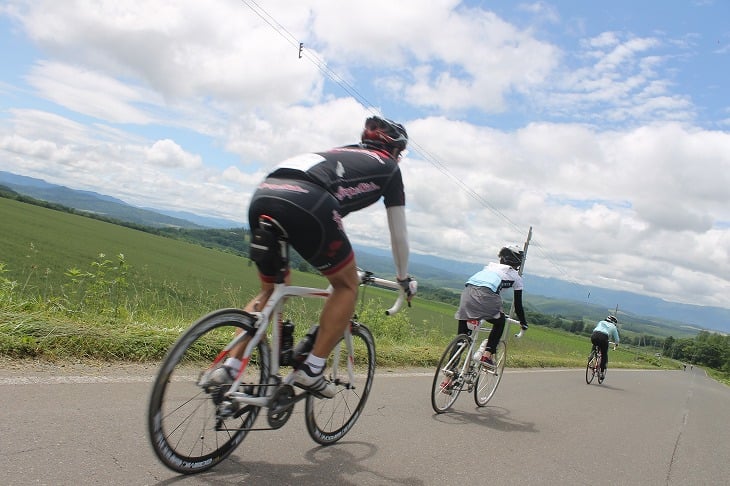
(309, 195)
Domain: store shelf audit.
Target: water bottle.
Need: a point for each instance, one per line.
(303, 347)
(482, 347)
(287, 343)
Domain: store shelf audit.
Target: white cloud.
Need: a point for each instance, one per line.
(181, 48)
(90, 93)
(169, 155)
(140, 100)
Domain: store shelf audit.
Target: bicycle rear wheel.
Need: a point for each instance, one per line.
(447, 381)
(190, 426)
(591, 366)
(488, 378)
(601, 375)
(329, 419)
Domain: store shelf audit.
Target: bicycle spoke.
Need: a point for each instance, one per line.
(591, 367)
(329, 419)
(488, 378)
(189, 429)
(447, 381)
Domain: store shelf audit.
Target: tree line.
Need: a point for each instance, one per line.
(706, 349)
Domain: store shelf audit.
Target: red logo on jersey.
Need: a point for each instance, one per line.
(351, 192)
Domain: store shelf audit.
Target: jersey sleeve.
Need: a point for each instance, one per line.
(519, 284)
(394, 194)
(399, 239)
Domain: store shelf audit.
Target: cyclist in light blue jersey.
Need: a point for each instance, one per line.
(481, 297)
(604, 331)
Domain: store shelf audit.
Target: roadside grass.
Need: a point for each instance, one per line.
(105, 292)
(47, 334)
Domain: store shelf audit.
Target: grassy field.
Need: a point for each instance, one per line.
(78, 288)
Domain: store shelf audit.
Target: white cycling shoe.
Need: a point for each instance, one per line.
(314, 383)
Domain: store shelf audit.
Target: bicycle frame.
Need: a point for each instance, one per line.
(473, 340)
(593, 367)
(599, 357)
(195, 420)
(269, 316)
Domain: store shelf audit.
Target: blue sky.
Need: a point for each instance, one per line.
(602, 125)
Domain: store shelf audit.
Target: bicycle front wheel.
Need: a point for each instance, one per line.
(488, 377)
(191, 425)
(447, 381)
(350, 366)
(591, 367)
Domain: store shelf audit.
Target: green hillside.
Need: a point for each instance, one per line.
(38, 247)
(55, 282)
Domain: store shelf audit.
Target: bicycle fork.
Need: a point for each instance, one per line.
(465, 376)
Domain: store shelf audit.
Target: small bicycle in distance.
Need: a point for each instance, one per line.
(593, 368)
(460, 368)
(195, 422)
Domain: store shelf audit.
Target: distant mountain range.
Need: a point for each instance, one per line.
(452, 274)
(111, 207)
(435, 271)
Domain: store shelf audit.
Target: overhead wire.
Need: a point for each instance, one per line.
(414, 146)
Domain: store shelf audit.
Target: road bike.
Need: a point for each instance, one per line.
(194, 422)
(593, 368)
(460, 368)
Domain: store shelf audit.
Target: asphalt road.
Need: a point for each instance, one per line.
(78, 426)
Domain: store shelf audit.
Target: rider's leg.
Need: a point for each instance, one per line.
(254, 305)
(338, 309)
(463, 328)
(495, 334)
(602, 341)
(334, 319)
(604, 357)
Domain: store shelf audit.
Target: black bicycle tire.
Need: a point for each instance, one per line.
(590, 367)
(483, 372)
(601, 375)
(160, 438)
(346, 400)
(440, 377)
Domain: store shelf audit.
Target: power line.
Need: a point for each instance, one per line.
(322, 66)
(425, 154)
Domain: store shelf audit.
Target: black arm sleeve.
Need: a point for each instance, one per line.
(519, 310)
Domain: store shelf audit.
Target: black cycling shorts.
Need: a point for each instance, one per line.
(311, 217)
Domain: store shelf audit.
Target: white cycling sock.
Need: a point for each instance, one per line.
(232, 362)
(315, 363)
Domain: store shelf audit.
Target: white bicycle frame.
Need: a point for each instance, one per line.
(270, 315)
(507, 321)
(482, 327)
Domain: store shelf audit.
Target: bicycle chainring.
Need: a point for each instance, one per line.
(281, 406)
